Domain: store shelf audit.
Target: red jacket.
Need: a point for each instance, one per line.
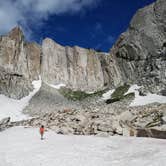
(41, 130)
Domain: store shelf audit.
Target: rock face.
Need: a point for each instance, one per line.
(141, 51)
(78, 68)
(19, 64)
(4, 123)
(139, 56)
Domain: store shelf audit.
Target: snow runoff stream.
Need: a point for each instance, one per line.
(22, 147)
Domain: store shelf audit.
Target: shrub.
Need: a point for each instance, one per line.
(118, 94)
(79, 95)
(120, 91)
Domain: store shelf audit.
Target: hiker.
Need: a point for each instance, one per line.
(42, 131)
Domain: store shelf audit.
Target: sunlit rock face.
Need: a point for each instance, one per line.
(138, 57)
(19, 64)
(78, 68)
(141, 51)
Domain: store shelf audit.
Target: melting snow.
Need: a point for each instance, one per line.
(143, 100)
(23, 147)
(13, 108)
(58, 86)
(107, 95)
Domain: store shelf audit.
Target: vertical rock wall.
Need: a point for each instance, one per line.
(141, 51)
(78, 68)
(19, 64)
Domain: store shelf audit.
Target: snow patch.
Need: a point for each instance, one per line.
(108, 94)
(58, 86)
(13, 108)
(23, 147)
(133, 89)
(144, 100)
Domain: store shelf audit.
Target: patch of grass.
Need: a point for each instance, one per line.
(118, 94)
(79, 95)
(129, 96)
(109, 101)
(120, 91)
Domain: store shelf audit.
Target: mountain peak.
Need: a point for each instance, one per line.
(16, 33)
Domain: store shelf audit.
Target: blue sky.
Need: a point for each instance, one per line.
(89, 23)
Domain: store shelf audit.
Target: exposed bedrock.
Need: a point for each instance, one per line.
(141, 51)
(19, 64)
(78, 68)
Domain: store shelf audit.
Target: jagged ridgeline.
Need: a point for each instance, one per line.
(138, 56)
(80, 69)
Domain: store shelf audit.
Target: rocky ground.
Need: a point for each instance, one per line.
(101, 123)
(91, 116)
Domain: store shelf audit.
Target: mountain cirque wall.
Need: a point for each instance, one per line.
(141, 51)
(138, 57)
(19, 64)
(77, 68)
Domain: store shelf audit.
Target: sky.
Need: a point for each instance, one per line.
(86, 23)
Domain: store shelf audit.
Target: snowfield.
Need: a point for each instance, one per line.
(13, 108)
(144, 100)
(23, 147)
(138, 100)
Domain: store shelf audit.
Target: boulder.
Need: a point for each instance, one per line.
(154, 133)
(4, 123)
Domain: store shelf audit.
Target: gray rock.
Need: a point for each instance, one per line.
(140, 51)
(4, 123)
(19, 64)
(77, 68)
(151, 133)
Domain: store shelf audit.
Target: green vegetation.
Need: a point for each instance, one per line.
(118, 94)
(120, 91)
(129, 96)
(79, 95)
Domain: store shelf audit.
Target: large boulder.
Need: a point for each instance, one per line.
(154, 133)
(4, 123)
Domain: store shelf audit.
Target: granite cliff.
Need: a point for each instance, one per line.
(140, 52)
(138, 57)
(19, 64)
(78, 68)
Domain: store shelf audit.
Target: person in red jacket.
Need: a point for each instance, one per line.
(42, 131)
